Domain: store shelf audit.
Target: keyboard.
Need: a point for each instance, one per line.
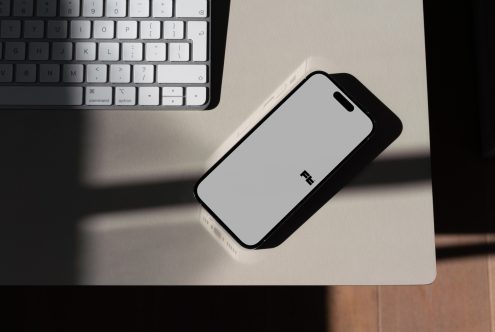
(105, 54)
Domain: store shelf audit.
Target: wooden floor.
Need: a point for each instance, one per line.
(460, 299)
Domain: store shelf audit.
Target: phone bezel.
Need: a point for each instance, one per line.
(315, 189)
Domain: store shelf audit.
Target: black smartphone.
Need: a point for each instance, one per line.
(293, 160)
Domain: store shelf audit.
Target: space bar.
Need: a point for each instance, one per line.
(41, 95)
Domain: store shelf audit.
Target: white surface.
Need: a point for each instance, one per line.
(364, 235)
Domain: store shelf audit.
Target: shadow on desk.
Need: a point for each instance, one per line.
(43, 199)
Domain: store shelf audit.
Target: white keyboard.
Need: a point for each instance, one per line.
(105, 54)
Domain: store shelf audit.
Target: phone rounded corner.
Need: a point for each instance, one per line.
(317, 72)
(237, 239)
(243, 244)
(196, 191)
(372, 128)
(399, 125)
(342, 76)
(248, 246)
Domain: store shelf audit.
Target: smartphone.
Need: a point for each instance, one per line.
(260, 184)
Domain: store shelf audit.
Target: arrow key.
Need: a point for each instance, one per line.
(149, 96)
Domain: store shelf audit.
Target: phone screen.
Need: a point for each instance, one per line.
(283, 159)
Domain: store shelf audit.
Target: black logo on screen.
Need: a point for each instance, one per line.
(308, 177)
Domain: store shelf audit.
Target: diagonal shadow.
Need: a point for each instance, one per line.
(394, 171)
(451, 252)
(177, 192)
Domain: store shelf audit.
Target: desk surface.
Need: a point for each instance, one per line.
(378, 230)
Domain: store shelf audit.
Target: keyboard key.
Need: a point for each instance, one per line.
(191, 8)
(181, 74)
(139, 8)
(178, 51)
(23, 7)
(62, 51)
(25, 73)
(49, 73)
(173, 30)
(73, 73)
(57, 29)
(125, 96)
(10, 29)
(120, 74)
(103, 29)
(150, 29)
(197, 32)
(15, 51)
(127, 29)
(116, 8)
(4, 8)
(46, 8)
(92, 8)
(85, 51)
(172, 92)
(70, 8)
(6, 73)
(162, 8)
(195, 96)
(96, 73)
(40, 95)
(149, 96)
(172, 101)
(34, 29)
(39, 51)
(132, 51)
(108, 51)
(156, 52)
(80, 29)
(99, 96)
(144, 74)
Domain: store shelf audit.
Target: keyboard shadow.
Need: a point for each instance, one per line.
(220, 11)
